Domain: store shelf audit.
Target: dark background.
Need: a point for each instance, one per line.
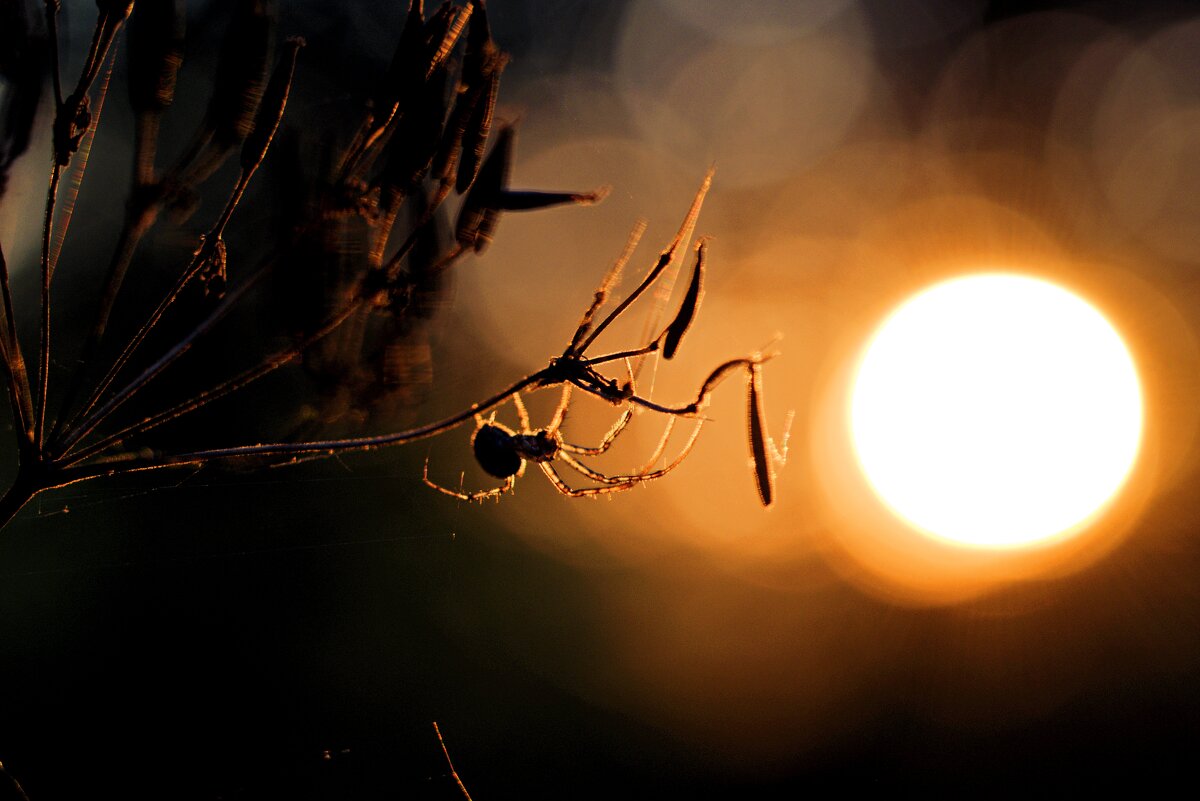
(294, 632)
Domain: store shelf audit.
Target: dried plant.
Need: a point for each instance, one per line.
(360, 241)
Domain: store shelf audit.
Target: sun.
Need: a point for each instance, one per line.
(997, 411)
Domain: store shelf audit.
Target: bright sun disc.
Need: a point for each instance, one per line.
(996, 411)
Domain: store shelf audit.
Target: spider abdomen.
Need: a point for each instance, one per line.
(496, 451)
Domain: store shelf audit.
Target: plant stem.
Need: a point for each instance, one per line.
(19, 494)
(237, 382)
(47, 274)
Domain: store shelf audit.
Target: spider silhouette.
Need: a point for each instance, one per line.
(504, 453)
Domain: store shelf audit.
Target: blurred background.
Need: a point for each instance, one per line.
(295, 631)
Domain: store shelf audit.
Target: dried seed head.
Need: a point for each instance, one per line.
(242, 71)
(270, 110)
(156, 36)
(687, 309)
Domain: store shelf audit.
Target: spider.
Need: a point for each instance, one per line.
(504, 453)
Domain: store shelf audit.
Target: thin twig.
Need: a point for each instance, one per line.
(664, 261)
(14, 359)
(52, 7)
(44, 343)
(254, 149)
(137, 223)
(268, 365)
(449, 764)
(608, 283)
(52, 240)
(21, 790)
(199, 262)
(356, 443)
(78, 167)
(102, 413)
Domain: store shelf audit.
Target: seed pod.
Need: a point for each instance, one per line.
(412, 148)
(270, 110)
(241, 71)
(471, 119)
(481, 207)
(479, 125)
(116, 10)
(402, 75)
(442, 33)
(482, 64)
(531, 200)
(156, 36)
(687, 309)
(764, 474)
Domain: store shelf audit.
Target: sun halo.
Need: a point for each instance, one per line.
(996, 410)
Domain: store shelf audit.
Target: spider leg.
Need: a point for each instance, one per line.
(584, 492)
(625, 481)
(587, 472)
(522, 413)
(662, 445)
(605, 443)
(615, 431)
(477, 495)
(560, 412)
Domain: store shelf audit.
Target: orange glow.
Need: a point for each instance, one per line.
(996, 411)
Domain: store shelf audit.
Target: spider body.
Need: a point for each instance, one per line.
(502, 453)
(574, 369)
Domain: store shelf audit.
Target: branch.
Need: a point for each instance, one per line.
(449, 764)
